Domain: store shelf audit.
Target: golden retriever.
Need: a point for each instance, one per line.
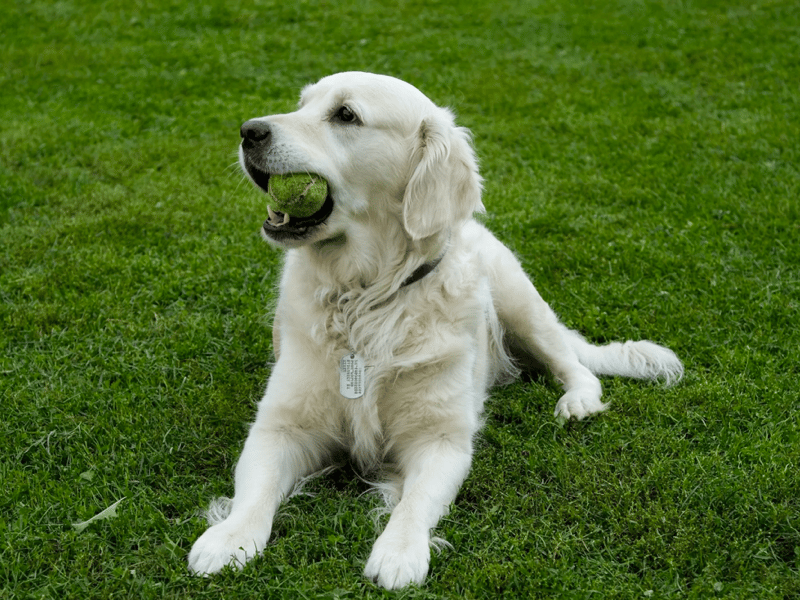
(397, 312)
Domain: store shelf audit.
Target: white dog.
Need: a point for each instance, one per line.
(397, 312)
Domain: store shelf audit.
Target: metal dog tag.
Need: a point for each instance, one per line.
(351, 376)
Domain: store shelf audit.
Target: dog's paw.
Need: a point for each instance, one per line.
(579, 404)
(397, 561)
(223, 545)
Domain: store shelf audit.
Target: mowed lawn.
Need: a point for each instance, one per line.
(641, 158)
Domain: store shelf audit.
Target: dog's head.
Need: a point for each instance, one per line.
(386, 151)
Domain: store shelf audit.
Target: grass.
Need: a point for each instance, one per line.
(640, 157)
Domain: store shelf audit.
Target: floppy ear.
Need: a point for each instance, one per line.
(445, 187)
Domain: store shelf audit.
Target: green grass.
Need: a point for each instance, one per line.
(642, 159)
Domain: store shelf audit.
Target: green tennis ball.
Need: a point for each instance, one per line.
(297, 194)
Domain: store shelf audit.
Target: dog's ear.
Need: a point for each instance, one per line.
(445, 187)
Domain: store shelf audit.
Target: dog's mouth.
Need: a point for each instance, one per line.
(282, 227)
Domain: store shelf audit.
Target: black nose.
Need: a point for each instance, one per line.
(255, 131)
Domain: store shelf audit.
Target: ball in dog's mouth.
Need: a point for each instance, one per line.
(282, 226)
(295, 195)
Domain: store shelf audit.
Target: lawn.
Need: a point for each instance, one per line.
(641, 158)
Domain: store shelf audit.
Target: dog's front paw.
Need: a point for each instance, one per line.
(398, 560)
(222, 545)
(579, 404)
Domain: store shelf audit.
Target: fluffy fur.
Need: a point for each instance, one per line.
(404, 183)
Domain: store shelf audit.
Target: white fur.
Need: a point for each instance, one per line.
(405, 183)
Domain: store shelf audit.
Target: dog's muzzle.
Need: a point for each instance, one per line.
(256, 140)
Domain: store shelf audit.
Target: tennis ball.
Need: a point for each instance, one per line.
(297, 194)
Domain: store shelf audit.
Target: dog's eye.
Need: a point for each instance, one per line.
(345, 115)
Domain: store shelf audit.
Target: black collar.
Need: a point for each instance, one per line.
(422, 271)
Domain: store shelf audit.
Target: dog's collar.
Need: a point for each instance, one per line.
(422, 271)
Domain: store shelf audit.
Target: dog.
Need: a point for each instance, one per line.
(397, 312)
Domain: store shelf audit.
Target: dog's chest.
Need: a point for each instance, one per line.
(364, 353)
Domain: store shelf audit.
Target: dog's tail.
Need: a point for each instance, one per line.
(640, 360)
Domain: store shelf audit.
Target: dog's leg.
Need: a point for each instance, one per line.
(271, 463)
(536, 329)
(435, 471)
(276, 338)
(280, 449)
(430, 419)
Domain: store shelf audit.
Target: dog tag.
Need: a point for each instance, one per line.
(351, 376)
